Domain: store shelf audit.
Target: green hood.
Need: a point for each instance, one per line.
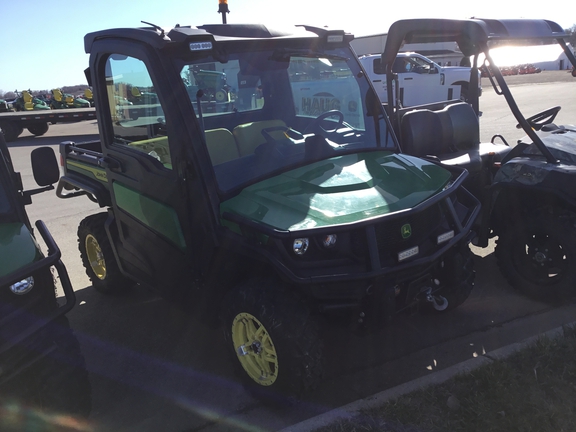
(339, 190)
(17, 247)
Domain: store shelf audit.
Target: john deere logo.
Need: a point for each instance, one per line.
(406, 231)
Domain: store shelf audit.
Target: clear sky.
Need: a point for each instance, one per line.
(43, 40)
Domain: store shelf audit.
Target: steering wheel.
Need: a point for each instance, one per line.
(316, 125)
(537, 121)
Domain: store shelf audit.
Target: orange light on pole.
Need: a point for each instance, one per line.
(223, 9)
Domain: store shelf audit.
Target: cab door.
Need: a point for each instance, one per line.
(149, 228)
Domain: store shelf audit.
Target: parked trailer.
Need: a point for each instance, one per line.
(13, 123)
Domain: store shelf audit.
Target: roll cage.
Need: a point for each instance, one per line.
(475, 37)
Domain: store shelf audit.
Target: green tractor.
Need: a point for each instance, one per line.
(4, 106)
(62, 100)
(27, 102)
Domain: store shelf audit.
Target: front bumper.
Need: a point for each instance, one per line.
(371, 249)
(21, 328)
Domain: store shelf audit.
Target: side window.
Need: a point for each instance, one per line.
(399, 65)
(378, 68)
(137, 115)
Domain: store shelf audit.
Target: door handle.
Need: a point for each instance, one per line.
(107, 162)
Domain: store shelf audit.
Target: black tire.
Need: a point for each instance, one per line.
(61, 379)
(538, 257)
(10, 131)
(38, 129)
(97, 256)
(271, 313)
(457, 280)
(134, 114)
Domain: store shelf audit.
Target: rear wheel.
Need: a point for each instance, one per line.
(538, 256)
(11, 132)
(273, 340)
(97, 256)
(38, 129)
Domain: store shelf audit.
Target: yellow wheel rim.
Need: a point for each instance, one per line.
(254, 348)
(220, 96)
(95, 257)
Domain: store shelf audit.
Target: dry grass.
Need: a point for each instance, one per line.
(532, 390)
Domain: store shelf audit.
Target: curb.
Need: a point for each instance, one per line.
(352, 409)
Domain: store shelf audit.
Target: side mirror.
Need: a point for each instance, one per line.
(45, 166)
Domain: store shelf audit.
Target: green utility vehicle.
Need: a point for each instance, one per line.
(4, 106)
(288, 202)
(41, 364)
(527, 190)
(60, 100)
(27, 102)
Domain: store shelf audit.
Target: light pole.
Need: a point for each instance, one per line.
(223, 9)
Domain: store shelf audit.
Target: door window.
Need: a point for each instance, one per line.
(137, 115)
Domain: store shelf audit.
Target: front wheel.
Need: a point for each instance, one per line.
(10, 130)
(97, 256)
(274, 341)
(538, 256)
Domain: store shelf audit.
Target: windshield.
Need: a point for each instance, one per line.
(265, 112)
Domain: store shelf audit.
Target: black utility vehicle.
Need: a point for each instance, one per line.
(527, 191)
(262, 184)
(40, 359)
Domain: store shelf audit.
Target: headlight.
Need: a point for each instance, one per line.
(22, 287)
(300, 246)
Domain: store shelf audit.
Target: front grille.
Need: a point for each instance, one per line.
(422, 225)
(451, 214)
(425, 226)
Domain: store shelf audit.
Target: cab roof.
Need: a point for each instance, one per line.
(158, 38)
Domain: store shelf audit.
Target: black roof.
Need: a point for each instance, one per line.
(470, 34)
(212, 32)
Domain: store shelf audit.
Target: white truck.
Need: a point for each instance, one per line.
(421, 80)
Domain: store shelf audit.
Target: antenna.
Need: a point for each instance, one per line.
(158, 28)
